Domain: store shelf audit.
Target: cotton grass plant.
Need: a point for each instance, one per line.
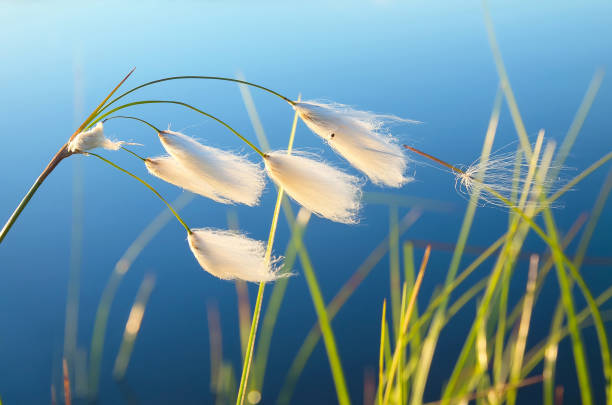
(226, 178)
(495, 360)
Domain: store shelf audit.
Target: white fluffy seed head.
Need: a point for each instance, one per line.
(230, 255)
(91, 139)
(219, 175)
(506, 176)
(359, 136)
(323, 189)
(171, 171)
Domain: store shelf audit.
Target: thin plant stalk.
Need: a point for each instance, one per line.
(420, 378)
(381, 354)
(518, 122)
(228, 79)
(326, 330)
(521, 339)
(394, 271)
(180, 103)
(509, 247)
(274, 304)
(248, 357)
(150, 187)
(132, 326)
(55, 160)
(313, 336)
(257, 310)
(404, 326)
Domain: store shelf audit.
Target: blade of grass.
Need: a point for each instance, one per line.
(132, 326)
(256, 312)
(404, 326)
(311, 340)
(499, 389)
(67, 394)
(521, 340)
(325, 325)
(381, 353)
(512, 245)
(394, 272)
(431, 339)
(278, 292)
(523, 138)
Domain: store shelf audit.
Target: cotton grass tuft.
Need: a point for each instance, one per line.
(322, 189)
(213, 173)
(360, 137)
(231, 255)
(91, 139)
(505, 176)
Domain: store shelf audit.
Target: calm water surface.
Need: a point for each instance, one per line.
(430, 63)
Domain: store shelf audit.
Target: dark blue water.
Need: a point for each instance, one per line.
(430, 63)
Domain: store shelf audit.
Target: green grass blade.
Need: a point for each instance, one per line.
(394, 271)
(132, 327)
(422, 372)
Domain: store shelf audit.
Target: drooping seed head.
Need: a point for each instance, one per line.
(222, 176)
(231, 255)
(321, 188)
(360, 137)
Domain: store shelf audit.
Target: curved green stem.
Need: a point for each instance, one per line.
(255, 148)
(134, 153)
(133, 118)
(227, 79)
(150, 187)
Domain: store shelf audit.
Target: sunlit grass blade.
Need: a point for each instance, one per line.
(381, 353)
(132, 327)
(404, 327)
(100, 106)
(311, 340)
(256, 312)
(274, 304)
(67, 392)
(431, 339)
(325, 325)
(394, 271)
(538, 352)
(497, 390)
(521, 340)
(505, 84)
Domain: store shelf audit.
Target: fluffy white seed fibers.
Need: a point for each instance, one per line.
(323, 189)
(91, 139)
(219, 175)
(230, 255)
(359, 137)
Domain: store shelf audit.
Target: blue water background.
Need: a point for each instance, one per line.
(417, 60)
